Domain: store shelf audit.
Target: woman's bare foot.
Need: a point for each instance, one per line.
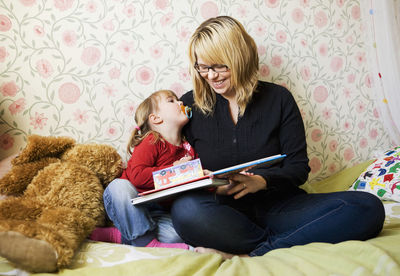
(225, 256)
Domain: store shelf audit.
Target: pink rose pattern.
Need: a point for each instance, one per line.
(161, 4)
(320, 94)
(264, 70)
(114, 73)
(297, 15)
(109, 25)
(109, 91)
(177, 88)
(63, 5)
(99, 62)
(167, 19)
(184, 34)
(320, 19)
(281, 36)
(6, 141)
(5, 23)
(130, 109)
(129, 11)
(38, 120)
(144, 75)
(184, 74)
(261, 29)
(111, 132)
(9, 89)
(126, 48)
(69, 38)
(305, 73)
(208, 9)
(276, 61)
(69, 93)
(156, 51)
(261, 50)
(316, 135)
(91, 7)
(28, 3)
(336, 64)
(81, 117)
(44, 68)
(315, 165)
(3, 54)
(38, 30)
(90, 56)
(17, 106)
(326, 113)
(272, 3)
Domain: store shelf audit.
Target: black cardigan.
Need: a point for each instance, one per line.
(271, 124)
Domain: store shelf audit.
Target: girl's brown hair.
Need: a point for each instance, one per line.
(223, 40)
(143, 111)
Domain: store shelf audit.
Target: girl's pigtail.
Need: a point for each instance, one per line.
(136, 138)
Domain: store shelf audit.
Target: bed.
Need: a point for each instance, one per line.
(378, 256)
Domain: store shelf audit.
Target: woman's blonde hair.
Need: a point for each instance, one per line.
(143, 111)
(223, 40)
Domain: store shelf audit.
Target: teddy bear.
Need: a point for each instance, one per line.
(53, 200)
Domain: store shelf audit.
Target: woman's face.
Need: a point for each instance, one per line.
(219, 82)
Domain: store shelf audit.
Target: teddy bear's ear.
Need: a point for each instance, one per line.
(39, 147)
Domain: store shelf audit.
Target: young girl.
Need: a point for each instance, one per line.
(157, 143)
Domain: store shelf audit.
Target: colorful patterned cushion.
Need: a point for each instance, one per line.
(382, 177)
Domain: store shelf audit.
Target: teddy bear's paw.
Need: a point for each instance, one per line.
(30, 254)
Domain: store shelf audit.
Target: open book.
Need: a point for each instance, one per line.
(215, 178)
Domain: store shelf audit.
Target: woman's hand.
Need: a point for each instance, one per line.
(242, 184)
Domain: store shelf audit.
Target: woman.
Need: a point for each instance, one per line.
(236, 119)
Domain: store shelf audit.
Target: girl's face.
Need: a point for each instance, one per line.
(169, 109)
(219, 82)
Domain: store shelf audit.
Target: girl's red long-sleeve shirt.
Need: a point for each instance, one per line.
(150, 156)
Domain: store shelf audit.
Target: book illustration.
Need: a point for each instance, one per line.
(178, 174)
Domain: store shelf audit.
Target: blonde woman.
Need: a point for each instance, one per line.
(155, 144)
(236, 119)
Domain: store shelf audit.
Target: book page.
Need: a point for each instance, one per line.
(249, 165)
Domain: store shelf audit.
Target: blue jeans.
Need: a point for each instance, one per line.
(138, 225)
(252, 226)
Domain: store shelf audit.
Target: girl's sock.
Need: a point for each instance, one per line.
(106, 234)
(112, 234)
(156, 243)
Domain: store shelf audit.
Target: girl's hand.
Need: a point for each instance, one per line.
(206, 172)
(242, 184)
(184, 159)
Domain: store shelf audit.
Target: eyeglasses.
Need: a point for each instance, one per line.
(217, 68)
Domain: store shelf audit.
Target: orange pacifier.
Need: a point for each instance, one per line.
(187, 111)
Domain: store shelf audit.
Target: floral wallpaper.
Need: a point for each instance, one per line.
(79, 68)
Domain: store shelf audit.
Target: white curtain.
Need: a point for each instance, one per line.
(381, 19)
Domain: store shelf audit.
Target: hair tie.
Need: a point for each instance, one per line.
(137, 128)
